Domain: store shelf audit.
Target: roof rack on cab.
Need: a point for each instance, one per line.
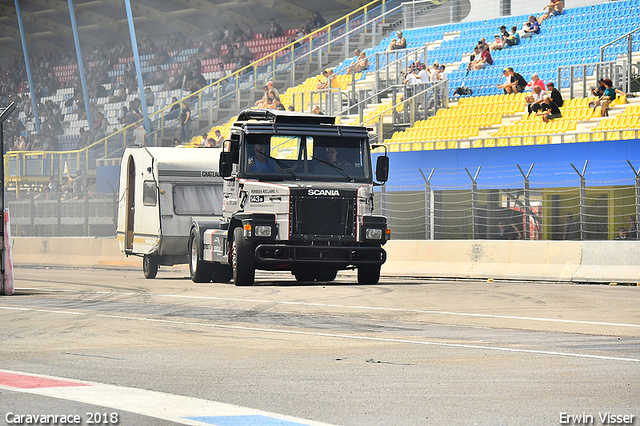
(276, 116)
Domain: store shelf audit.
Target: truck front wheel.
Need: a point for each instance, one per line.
(242, 259)
(199, 270)
(150, 266)
(368, 274)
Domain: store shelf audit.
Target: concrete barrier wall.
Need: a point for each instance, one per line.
(525, 260)
(609, 261)
(71, 252)
(565, 261)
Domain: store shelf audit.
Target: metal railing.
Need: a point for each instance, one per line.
(629, 51)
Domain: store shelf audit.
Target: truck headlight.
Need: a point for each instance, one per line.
(373, 234)
(262, 231)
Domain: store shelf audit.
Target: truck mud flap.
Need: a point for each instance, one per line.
(280, 253)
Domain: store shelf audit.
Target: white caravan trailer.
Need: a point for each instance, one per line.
(162, 190)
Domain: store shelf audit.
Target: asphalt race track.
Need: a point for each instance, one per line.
(111, 347)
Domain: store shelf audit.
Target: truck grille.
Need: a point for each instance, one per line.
(325, 216)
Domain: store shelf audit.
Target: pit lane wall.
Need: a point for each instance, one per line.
(562, 261)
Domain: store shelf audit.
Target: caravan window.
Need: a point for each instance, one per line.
(149, 193)
(203, 200)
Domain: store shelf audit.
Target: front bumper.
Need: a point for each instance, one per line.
(290, 254)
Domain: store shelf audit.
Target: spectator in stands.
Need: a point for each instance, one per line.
(485, 59)
(273, 89)
(362, 63)
(185, 122)
(86, 139)
(554, 8)
(159, 77)
(401, 42)
(100, 126)
(322, 81)
(535, 99)
(120, 94)
(219, 139)
(316, 110)
(51, 185)
(604, 102)
(501, 39)
(475, 58)
(291, 108)
(176, 142)
(262, 101)
(535, 81)
(278, 105)
(556, 96)
(392, 45)
(632, 233)
(570, 229)
(434, 74)
(531, 27)
(149, 96)
(516, 83)
(423, 75)
(598, 91)
(442, 74)
(139, 135)
(356, 57)
(514, 37)
(275, 30)
(314, 22)
(548, 110)
(175, 81)
(248, 33)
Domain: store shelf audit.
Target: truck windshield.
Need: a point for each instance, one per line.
(307, 157)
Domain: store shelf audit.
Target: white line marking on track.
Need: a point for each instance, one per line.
(175, 408)
(372, 308)
(344, 336)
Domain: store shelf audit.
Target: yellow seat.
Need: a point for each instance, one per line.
(441, 145)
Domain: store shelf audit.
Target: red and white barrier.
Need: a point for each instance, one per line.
(6, 284)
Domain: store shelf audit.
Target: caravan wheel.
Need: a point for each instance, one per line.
(150, 266)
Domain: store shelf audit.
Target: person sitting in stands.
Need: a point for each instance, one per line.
(401, 43)
(535, 99)
(516, 83)
(531, 28)
(485, 59)
(549, 110)
(555, 8)
(598, 91)
(535, 81)
(556, 96)
(605, 100)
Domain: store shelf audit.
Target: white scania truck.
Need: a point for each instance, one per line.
(297, 196)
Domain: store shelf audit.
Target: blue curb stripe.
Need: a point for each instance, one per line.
(244, 421)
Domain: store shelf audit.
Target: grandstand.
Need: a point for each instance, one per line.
(418, 132)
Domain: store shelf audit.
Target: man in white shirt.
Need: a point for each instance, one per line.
(140, 135)
(422, 75)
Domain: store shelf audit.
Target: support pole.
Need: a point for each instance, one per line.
(25, 51)
(428, 216)
(83, 79)
(583, 201)
(474, 202)
(637, 188)
(136, 58)
(527, 205)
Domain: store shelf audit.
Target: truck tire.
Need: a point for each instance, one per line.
(242, 259)
(368, 274)
(222, 273)
(199, 270)
(150, 266)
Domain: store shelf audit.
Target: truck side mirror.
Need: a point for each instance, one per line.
(226, 165)
(382, 169)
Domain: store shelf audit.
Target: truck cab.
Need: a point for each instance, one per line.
(297, 196)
